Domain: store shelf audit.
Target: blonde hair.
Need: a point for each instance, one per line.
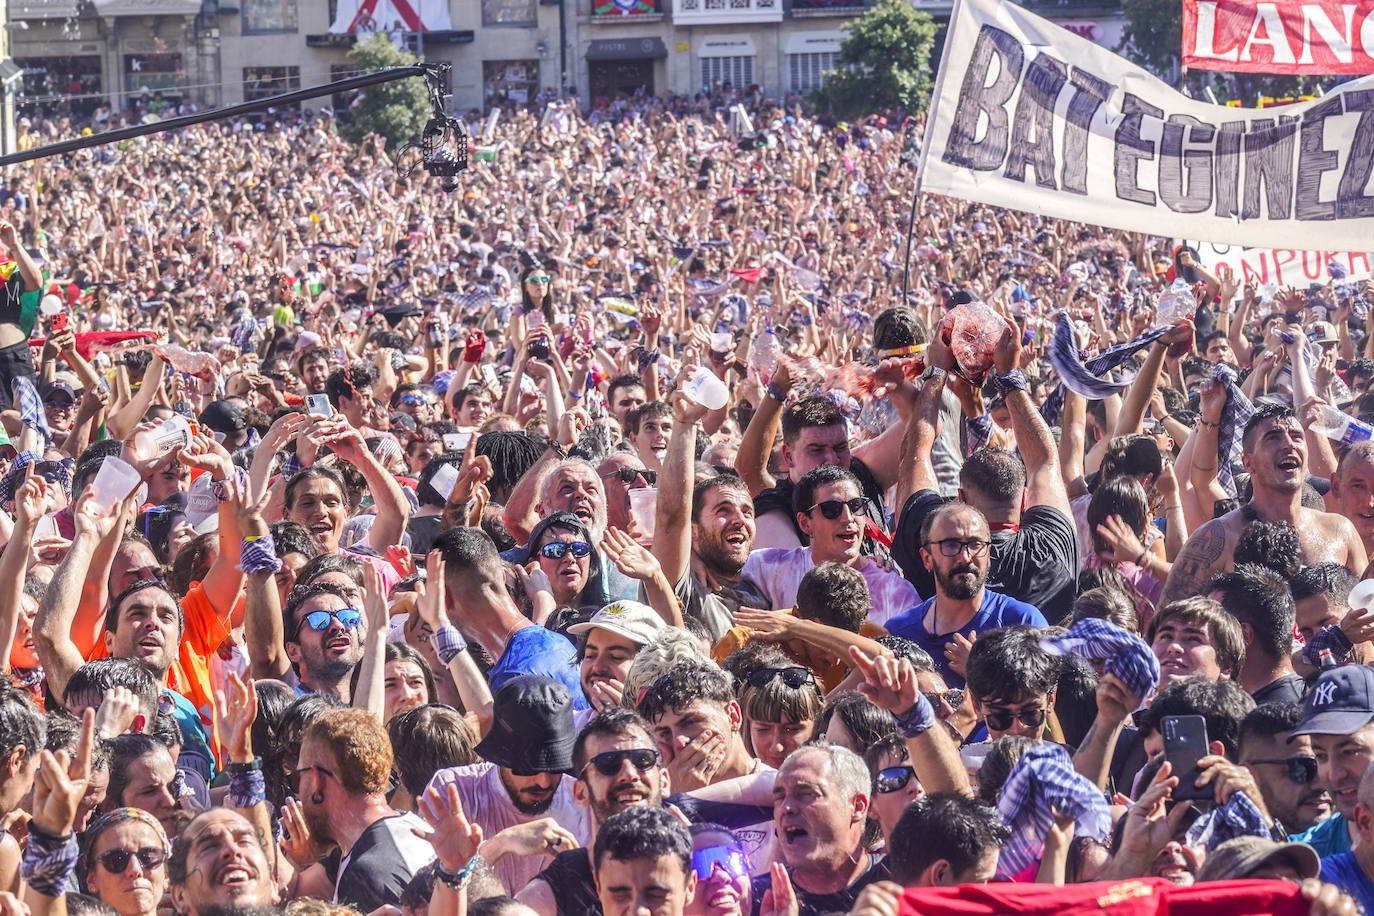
(669, 649)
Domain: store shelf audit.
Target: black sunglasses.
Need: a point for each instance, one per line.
(1301, 770)
(831, 508)
(793, 677)
(1000, 719)
(115, 861)
(893, 779)
(609, 763)
(628, 476)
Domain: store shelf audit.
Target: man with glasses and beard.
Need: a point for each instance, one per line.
(955, 542)
(617, 767)
(519, 794)
(1285, 773)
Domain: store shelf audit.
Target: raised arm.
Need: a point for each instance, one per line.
(29, 503)
(370, 694)
(673, 516)
(916, 470)
(1044, 482)
(757, 442)
(264, 635)
(223, 584)
(387, 496)
(1073, 422)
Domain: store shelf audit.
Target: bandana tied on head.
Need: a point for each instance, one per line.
(1042, 783)
(1125, 655)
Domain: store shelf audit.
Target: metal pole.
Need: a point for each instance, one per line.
(286, 98)
(562, 51)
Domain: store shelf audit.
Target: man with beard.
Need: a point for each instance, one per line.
(820, 808)
(617, 767)
(345, 767)
(1338, 714)
(1274, 453)
(1286, 773)
(313, 368)
(954, 547)
(702, 559)
(324, 639)
(483, 611)
(219, 867)
(519, 794)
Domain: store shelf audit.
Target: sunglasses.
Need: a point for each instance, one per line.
(628, 476)
(537, 278)
(952, 547)
(348, 618)
(731, 860)
(115, 861)
(557, 549)
(999, 720)
(831, 508)
(793, 677)
(609, 763)
(413, 400)
(893, 779)
(1301, 770)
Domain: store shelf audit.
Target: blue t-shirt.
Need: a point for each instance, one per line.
(1330, 837)
(195, 745)
(996, 611)
(536, 650)
(1343, 871)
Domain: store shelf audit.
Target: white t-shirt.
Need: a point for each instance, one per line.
(778, 571)
(486, 802)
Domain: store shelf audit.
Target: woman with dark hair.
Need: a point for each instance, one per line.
(851, 721)
(1120, 522)
(536, 293)
(563, 550)
(143, 774)
(407, 680)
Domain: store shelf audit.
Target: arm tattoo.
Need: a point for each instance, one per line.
(1196, 563)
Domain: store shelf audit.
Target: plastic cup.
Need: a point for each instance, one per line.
(444, 480)
(46, 525)
(643, 506)
(707, 390)
(1362, 595)
(114, 481)
(164, 437)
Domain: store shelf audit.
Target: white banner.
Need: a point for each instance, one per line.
(1283, 266)
(1029, 115)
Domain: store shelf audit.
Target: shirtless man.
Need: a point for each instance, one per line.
(1352, 490)
(1275, 455)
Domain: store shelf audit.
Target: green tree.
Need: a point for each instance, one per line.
(396, 111)
(884, 63)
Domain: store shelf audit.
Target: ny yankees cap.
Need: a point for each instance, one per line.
(1340, 702)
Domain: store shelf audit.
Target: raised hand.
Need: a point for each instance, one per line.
(629, 556)
(300, 847)
(889, 682)
(236, 708)
(429, 600)
(118, 710)
(31, 499)
(1122, 544)
(780, 899)
(205, 454)
(455, 839)
(60, 783)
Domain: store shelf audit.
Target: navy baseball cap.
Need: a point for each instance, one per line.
(1341, 701)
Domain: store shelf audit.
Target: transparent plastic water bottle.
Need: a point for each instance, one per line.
(1341, 427)
(1175, 304)
(1268, 291)
(764, 356)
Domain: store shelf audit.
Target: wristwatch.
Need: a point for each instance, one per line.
(933, 372)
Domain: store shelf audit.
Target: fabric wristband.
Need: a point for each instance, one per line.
(777, 394)
(218, 490)
(291, 466)
(49, 862)
(916, 720)
(247, 785)
(448, 643)
(1014, 380)
(259, 555)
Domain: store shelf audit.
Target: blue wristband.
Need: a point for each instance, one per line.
(918, 719)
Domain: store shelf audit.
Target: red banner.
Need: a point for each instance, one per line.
(1131, 897)
(1253, 36)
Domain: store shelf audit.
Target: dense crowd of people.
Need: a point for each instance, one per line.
(630, 532)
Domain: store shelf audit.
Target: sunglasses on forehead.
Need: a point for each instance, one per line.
(793, 677)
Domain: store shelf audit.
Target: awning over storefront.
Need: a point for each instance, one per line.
(626, 49)
(147, 7)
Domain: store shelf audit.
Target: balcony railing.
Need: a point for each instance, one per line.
(725, 12)
(809, 9)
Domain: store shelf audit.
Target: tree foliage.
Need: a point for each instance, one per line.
(883, 63)
(396, 111)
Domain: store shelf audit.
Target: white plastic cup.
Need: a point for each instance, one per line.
(707, 390)
(1362, 595)
(164, 437)
(643, 506)
(114, 481)
(46, 525)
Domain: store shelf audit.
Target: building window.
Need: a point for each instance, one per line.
(269, 16)
(515, 13)
(806, 71)
(737, 71)
(260, 82)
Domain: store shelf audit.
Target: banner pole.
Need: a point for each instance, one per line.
(925, 144)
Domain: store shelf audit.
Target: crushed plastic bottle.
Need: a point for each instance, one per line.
(764, 356)
(201, 365)
(1341, 427)
(1175, 304)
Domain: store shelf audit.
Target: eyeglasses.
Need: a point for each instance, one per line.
(115, 861)
(893, 779)
(831, 508)
(793, 677)
(952, 547)
(609, 763)
(537, 278)
(731, 860)
(348, 618)
(999, 720)
(628, 476)
(1301, 770)
(557, 549)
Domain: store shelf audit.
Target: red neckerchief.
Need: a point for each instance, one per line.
(1003, 526)
(878, 534)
